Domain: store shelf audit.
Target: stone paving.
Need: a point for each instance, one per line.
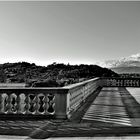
(20, 127)
(108, 107)
(135, 92)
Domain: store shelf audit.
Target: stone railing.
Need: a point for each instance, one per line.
(121, 82)
(32, 101)
(77, 93)
(55, 102)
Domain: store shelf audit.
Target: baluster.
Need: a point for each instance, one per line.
(18, 107)
(1, 103)
(23, 103)
(109, 82)
(41, 104)
(13, 103)
(113, 81)
(32, 102)
(127, 82)
(4, 102)
(124, 83)
(8, 104)
(137, 83)
(37, 104)
(119, 84)
(45, 104)
(50, 103)
(131, 83)
(27, 104)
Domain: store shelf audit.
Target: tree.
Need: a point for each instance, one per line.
(2, 76)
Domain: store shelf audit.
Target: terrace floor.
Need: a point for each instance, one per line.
(112, 113)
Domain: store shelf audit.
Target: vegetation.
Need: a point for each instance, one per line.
(52, 75)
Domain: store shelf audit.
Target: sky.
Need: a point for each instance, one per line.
(68, 32)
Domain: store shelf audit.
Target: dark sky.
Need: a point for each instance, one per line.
(74, 32)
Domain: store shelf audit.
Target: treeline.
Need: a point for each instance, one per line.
(52, 75)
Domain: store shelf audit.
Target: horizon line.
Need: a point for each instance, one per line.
(36, 63)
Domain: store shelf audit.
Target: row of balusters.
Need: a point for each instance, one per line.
(78, 95)
(121, 82)
(27, 103)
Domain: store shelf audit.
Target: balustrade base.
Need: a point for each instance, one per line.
(60, 117)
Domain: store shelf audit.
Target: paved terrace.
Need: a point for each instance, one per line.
(112, 112)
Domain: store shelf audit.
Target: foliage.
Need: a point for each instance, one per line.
(52, 75)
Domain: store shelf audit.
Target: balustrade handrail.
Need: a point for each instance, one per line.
(53, 89)
(62, 90)
(50, 88)
(80, 83)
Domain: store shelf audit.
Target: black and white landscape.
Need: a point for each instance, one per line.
(70, 70)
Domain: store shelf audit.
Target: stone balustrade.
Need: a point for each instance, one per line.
(55, 102)
(77, 93)
(121, 82)
(32, 101)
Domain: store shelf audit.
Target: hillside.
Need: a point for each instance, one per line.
(53, 75)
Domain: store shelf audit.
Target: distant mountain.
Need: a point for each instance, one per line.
(121, 70)
(53, 75)
(129, 64)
